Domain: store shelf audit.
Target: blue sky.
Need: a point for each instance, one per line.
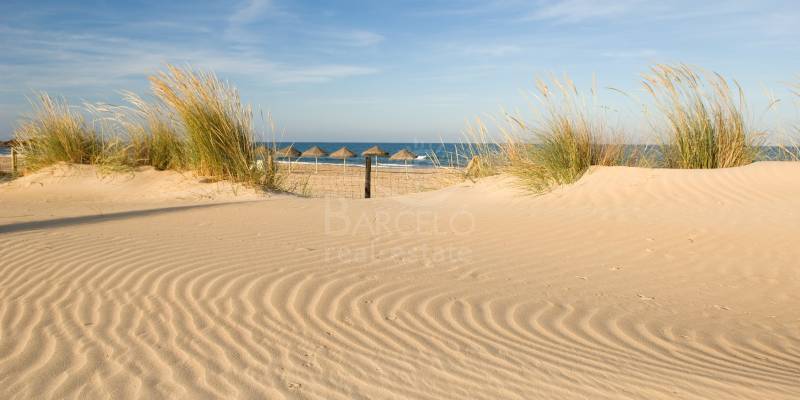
(387, 71)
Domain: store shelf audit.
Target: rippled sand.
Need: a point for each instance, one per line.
(631, 284)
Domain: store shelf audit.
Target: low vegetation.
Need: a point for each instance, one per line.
(701, 120)
(704, 119)
(218, 128)
(57, 133)
(197, 122)
(566, 136)
(154, 136)
(569, 136)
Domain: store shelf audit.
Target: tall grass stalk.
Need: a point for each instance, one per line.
(568, 135)
(705, 120)
(56, 133)
(154, 137)
(482, 155)
(219, 133)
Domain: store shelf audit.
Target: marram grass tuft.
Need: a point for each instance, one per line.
(704, 118)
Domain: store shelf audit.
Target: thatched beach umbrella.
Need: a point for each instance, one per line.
(315, 152)
(344, 153)
(375, 151)
(404, 155)
(288, 152)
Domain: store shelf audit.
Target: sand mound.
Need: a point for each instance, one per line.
(633, 283)
(87, 183)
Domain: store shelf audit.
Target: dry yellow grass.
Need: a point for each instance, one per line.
(568, 134)
(56, 133)
(704, 118)
(219, 132)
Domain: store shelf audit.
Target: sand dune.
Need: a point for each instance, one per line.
(630, 284)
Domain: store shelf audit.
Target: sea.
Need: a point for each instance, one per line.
(429, 154)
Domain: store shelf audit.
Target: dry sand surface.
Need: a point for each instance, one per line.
(630, 284)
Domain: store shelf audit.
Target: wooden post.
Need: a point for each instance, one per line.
(270, 163)
(367, 177)
(269, 168)
(13, 160)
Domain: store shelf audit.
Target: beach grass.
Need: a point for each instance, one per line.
(57, 133)
(483, 156)
(703, 117)
(154, 137)
(196, 122)
(220, 140)
(567, 136)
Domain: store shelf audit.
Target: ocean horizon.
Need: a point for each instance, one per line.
(435, 154)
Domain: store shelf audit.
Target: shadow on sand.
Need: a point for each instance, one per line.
(97, 218)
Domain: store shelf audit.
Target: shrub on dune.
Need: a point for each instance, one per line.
(705, 120)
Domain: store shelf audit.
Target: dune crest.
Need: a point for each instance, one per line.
(631, 283)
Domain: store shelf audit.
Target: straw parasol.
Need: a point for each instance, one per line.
(288, 152)
(344, 153)
(316, 152)
(375, 151)
(404, 155)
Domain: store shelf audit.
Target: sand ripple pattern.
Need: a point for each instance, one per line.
(545, 297)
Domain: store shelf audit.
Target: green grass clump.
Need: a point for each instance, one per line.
(56, 133)
(196, 123)
(567, 137)
(219, 135)
(705, 119)
(154, 138)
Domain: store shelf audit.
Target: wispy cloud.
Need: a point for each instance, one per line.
(465, 56)
(572, 11)
(249, 11)
(635, 53)
(49, 60)
(495, 50)
(356, 38)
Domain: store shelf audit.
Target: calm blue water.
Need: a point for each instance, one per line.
(448, 154)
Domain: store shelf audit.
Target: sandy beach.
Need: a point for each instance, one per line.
(630, 284)
(347, 181)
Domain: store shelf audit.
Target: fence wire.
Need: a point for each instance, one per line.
(348, 182)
